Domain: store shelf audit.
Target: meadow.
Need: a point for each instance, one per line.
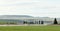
(29, 28)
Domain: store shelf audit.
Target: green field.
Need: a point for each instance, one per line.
(29, 28)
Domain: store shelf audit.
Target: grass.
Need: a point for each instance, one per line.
(29, 28)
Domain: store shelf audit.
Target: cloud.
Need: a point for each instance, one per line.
(42, 8)
(7, 2)
(30, 7)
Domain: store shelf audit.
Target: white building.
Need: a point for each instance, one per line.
(26, 20)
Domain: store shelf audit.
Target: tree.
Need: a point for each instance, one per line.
(31, 22)
(39, 22)
(42, 22)
(55, 21)
(24, 22)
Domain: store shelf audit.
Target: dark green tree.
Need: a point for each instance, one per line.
(24, 22)
(39, 22)
(55, 21)
(42, 22)
(30, 22)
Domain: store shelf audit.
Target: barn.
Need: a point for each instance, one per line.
(23, 19)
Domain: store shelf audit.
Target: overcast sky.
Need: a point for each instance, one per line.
(42, 8)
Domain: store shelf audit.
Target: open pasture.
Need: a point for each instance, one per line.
(29, 28)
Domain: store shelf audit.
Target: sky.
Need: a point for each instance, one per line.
(37, 8)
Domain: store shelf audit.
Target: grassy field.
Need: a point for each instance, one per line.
(29, 28)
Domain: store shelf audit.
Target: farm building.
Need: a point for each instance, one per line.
(20, 19)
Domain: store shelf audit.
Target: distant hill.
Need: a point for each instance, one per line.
(15, 16)
(26, 16)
